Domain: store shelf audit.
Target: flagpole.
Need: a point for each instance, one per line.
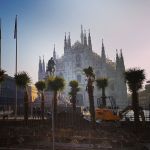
(0, 44)
(15, 36)
(0, 50)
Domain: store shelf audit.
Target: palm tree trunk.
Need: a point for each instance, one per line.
(42, 105)
(103, 97)
(135, 105)
(74, 103)
(74, 110)
(91, 101)
(55, 105)
(26, 106)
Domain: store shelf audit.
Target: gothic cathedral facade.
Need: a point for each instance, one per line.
(80, 55)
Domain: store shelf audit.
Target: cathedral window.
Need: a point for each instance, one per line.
(78, 60)
(79, 78)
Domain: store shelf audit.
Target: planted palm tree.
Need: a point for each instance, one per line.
(134, 78)
(40, 85)
(22, 80)
(102, 83)
(73, 93)
(55, 84)
(90, 89)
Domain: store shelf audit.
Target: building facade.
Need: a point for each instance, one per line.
(8, 94)
(144, 96)
(80, 55)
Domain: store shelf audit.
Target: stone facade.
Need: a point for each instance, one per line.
(144, 96)
(80, 55)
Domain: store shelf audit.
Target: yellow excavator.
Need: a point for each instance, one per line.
(110, 114)
(106, 114)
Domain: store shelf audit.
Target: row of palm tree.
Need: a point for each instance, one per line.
(56, 84)
(133, 77)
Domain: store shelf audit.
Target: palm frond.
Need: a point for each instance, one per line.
(55, 83)
(40, 85)
(135, 78)
(102, 82)
(89, 72)
(22, 79)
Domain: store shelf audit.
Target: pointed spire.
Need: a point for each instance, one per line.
(54, 53)
(40, 64)
(117, 60)
(85, 38)
(89, 41)
(103, 52)
(69, 40)
(121, 56)
(43, 65)
(122, 60)
(82, 36)
(65, 42)
(102, 44)
(117, 57)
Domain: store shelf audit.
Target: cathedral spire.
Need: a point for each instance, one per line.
(122, 60)
(103, 52)
(69, 41)
(82, 35)
(117, 60)
(43, 65)
(85, 38)
(117, 57)
(54, 53)
(40, 64)
(89, 41)
(121, 56)
(65, 42)
(40, 71)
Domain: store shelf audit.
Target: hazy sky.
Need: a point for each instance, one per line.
(41, 23)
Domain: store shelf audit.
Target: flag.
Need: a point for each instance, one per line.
(15, 30)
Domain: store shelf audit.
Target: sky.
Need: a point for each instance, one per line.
(123, 24)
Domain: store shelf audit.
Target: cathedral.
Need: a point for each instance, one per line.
(80, 55)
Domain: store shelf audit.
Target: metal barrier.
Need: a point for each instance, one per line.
(72, 131)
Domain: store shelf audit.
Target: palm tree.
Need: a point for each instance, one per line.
(102, 83)
(73, 93)
(134, 78)
(90, 88)
(55, 84)
(23, 80)
(40, 85)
